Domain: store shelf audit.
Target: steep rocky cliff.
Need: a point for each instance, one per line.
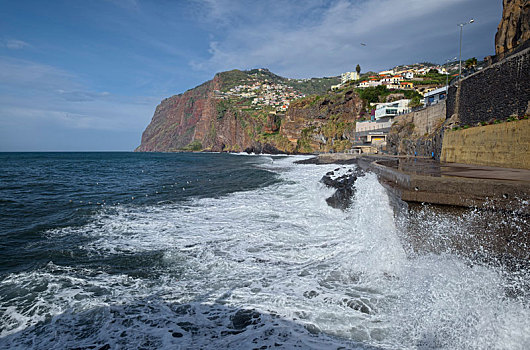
(323, 123)
(229, 113)
(514, 28)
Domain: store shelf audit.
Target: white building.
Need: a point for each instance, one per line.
(387, 72)
(435, 96)
(390, 109)
(348, 76)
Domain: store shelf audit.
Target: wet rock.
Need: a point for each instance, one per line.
(188, 327)
(259, 148)
(313, 329)
(344, 185)
(310, 294)
(358, 305)
(244, 318)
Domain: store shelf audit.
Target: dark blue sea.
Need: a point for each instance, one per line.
(231, 251)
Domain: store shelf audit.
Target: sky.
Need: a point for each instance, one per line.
(87, 75)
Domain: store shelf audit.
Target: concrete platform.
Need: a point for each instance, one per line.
(426, 181)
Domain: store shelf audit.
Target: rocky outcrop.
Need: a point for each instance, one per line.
(514, 28)
(344, 184)
(418, 133)
(322, 123)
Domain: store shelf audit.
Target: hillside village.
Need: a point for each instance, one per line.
(259, 93)
(263, 94)
(425, 84)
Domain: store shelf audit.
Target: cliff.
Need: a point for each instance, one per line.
(245, 110)
(514, 28)
(323, 123)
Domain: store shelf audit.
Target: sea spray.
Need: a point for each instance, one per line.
(273, 265)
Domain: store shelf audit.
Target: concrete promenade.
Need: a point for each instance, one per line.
(424, 180)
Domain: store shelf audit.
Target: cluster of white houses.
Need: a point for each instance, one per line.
(262, 94)
(403, 78)
(375, 131)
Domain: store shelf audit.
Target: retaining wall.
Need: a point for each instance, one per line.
(504, 145)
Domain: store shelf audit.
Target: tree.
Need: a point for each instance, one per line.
(472, 62)
(415, 102)
(358, 69)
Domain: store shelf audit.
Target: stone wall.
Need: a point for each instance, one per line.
(504, 145)
(496, 92)
(418, 133)
(451, 101)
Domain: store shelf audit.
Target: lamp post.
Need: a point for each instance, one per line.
(461, 25)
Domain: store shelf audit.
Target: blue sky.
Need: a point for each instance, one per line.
(87, 75)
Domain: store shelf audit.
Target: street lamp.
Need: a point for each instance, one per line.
(446, 69)
(461, 25)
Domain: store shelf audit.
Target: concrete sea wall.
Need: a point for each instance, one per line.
(504, 145)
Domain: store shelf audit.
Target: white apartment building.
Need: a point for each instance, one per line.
(345, 77)
(391, 109)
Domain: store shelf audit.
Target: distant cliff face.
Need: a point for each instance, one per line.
(219, 115)
(514, 28)
(174, 123)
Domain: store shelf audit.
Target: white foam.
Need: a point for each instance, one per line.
(281, 250)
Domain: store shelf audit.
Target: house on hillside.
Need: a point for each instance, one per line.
(363, 84)
(387, 72)
(396, 79)
(407, 85)
(435, 96)
(387, 111)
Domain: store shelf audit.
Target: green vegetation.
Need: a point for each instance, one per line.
(194, 145)
(415, 101)
(431, 78)
(222, 107)
(303, 145)
(232, 78)
(492, 121)
(471, 62)
(311, 86)
(372, 94)
(379, 93)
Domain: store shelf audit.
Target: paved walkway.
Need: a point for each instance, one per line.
(428, 167)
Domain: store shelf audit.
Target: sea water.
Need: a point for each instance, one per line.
(221, 251)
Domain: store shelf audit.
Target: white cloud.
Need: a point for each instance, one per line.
(14, 44)
(315, 38)
(31, 92)
(31, 75)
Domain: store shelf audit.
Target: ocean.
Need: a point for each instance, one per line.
(226, 251)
